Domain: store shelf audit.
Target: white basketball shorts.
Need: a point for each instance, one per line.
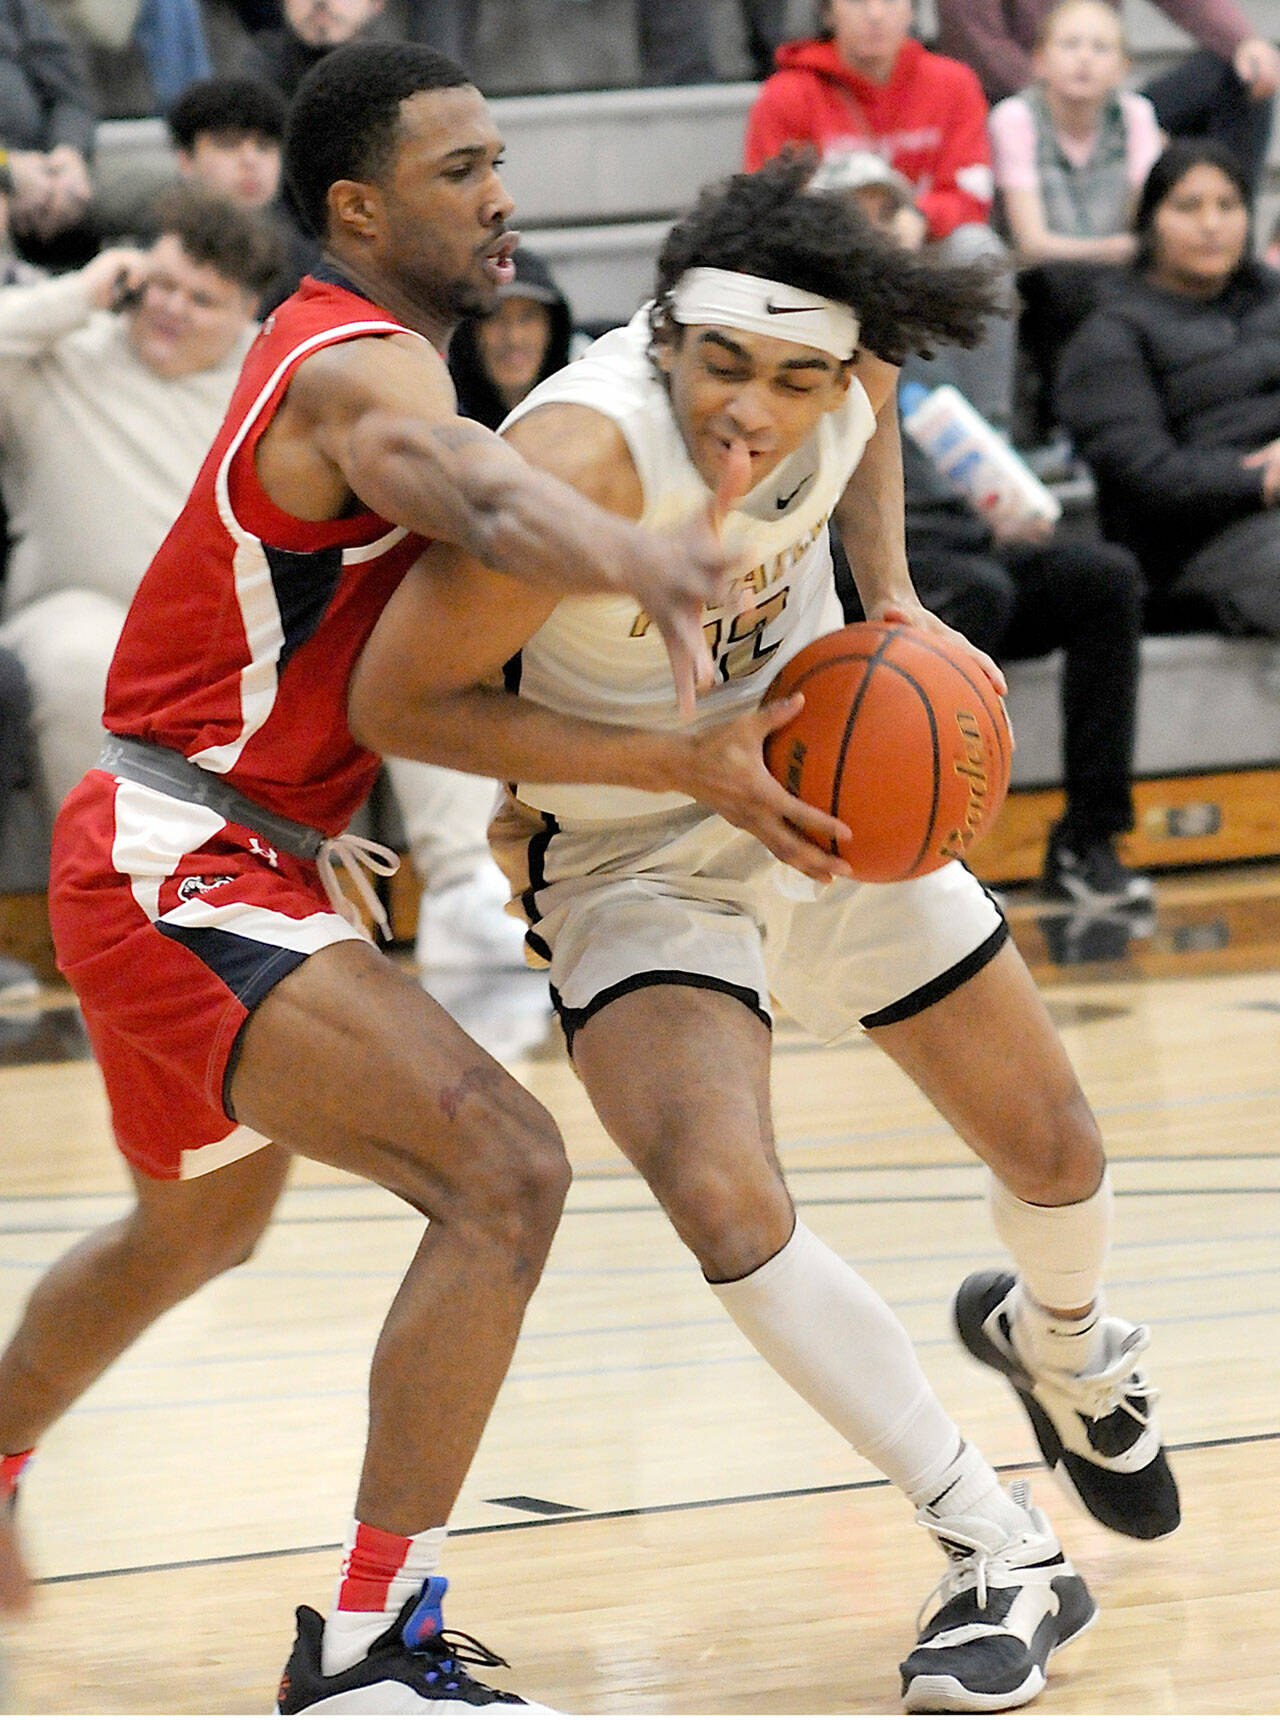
(684, 898)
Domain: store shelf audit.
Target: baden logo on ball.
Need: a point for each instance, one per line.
(902, 737)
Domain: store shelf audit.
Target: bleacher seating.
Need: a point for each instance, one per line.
(598, 176)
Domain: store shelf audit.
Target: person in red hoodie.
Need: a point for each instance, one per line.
(864, 83)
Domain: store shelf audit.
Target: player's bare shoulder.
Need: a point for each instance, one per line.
(584, 448)
(390, 372)
(337, 398)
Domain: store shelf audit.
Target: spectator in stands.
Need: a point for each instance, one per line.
(863, 83)
(47, 123)
(1022, 591)
(462, 924)
(113, 381)
(674, 39)
(170, 36)
(18, 982)
(228, 134)
(496, 360)
(1171, 390)
(1070, 155)
(310, 29)
(1222, 91)
(448, 26)
(167, 37)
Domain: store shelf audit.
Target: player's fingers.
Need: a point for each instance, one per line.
(820, 827)
(734, 481)
(816, 862)
(691, 665)
(992, 670)
(777, 713)
(798, 818)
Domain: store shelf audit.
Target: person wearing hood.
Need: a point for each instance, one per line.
(862, 82)
(496, 360)
(463, 929)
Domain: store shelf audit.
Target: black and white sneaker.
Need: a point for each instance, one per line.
(1094, 876)
(1097, 1430)
(1007, 1603)
(18, 982)
(414, 1667)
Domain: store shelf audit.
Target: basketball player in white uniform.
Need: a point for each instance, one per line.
(676, 889)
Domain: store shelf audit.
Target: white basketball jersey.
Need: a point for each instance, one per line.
(600, 657)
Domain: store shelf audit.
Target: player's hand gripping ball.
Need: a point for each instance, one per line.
(902, 737)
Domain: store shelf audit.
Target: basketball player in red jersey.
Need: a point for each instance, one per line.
(670, 930)
(237, 1013)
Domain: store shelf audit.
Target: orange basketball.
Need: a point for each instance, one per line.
(902, 737)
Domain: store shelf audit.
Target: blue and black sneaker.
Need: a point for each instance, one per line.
(414, 1667)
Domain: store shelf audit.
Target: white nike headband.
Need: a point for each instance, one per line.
(724, 297)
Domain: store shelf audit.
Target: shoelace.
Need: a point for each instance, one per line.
(360, 857)
(1115, 1386)
(452, 1650)
(977, 1563)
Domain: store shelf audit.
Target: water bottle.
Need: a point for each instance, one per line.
(976, 458)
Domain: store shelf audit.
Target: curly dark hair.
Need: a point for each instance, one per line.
(346, 114)
(766, 223)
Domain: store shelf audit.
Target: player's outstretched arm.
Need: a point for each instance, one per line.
(870, 517)
(428, 686)
(376, 419)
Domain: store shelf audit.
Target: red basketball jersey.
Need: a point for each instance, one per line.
(242, 637)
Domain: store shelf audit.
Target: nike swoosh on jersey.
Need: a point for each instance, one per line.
(786, 501)
(772, 310)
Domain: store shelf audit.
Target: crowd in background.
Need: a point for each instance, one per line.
(1142, 327)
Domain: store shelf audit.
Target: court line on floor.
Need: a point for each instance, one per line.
(622, 1513)
(650, 1207)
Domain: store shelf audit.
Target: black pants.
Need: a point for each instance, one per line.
(674, 39)
(1024, 600)
(1055, 299)
(448, 26)
(1085, 599)
(1202, 97)
(16, 747)
(1237, 575)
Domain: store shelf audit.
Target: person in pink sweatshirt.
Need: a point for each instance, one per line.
(864, 83)
(1222, 91)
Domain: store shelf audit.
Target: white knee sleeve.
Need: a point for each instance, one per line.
(1059, 1250)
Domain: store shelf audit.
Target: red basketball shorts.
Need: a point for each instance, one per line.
(172, 926)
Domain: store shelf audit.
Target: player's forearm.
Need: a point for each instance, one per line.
(491, 733)
(870, 518)
(459, 482)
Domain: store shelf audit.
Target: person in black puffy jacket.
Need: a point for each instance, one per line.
(1172, 393)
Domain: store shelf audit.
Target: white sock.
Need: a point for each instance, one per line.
(836, 1341)
(971, 1488)
(1059, 1252)
(380, 1571)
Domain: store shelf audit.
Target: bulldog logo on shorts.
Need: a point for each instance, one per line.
(195, 886)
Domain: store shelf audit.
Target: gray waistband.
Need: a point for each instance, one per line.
(170, 773)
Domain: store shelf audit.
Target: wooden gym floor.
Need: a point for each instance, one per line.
(654, 1524)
